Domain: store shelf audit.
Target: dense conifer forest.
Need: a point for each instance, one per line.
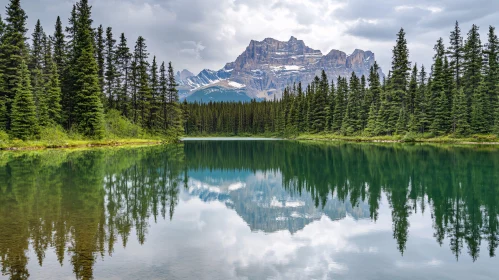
(86, 82)
(81, 80)
(457, 96)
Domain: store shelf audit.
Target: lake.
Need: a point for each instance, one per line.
(251, 210)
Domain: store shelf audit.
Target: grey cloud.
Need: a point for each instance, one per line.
(376, 32)
(197, 34)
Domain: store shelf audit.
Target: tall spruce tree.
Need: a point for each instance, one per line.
(154, 101)
(478, 107)
(163, 92)
(174, 113)
(88, 107)
(320, 102)
(12, 53)
(111, 73)
(142, 89)
(439, 101)
(400, 64)
(339, 104)
(456, 54)
(491, 76)
(67, 74)
(100, 57)
(460, 123)
(395, 96)
(24, 122)
(123, 64)
(59, 46)
(37, 47)
(351, 121)
(53, 88)
(472, 64)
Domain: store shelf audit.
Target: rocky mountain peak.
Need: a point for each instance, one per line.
(266, 67)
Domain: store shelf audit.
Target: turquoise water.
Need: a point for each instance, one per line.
(251, 210)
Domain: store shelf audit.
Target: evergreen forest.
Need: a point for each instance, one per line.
(81, 80)
(457, 96)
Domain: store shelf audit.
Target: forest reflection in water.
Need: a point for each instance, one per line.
(82, 204)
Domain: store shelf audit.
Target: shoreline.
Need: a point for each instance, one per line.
(40, 145)
(76, 144)
(436, 140)
(444, 140)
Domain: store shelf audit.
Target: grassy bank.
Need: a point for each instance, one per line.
(118, 132)
(43, 144)
(409, 138)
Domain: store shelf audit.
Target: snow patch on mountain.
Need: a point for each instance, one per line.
(236, 85)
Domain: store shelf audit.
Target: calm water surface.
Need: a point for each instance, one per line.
(251, 210)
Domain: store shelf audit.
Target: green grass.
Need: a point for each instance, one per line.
(119, 131)
(408, 138)
(44, 144)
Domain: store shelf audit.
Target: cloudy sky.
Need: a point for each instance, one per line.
(197, 34)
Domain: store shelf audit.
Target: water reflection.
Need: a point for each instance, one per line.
(83, 204)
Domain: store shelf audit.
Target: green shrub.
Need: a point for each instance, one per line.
(4, 137)
(409, 137)
(54, 135)
(118, 126)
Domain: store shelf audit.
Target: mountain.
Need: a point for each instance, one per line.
(266, 67)
(261, 200)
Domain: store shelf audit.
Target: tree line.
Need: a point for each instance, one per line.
(77, 76)
(459, 96)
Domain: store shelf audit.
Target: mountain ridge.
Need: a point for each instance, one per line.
(266, 67)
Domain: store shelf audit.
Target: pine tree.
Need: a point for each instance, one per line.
(41, 76)
(371, 120)
(491, 76)
(339, 108)
(301, 114)
(472, 64)
(111, 73)
(154, 110)
(412, 94)
(456, 54)
(351, 122)
(13, 51)
(123, 61)
(163, 92)
(329, 107)
(67, 72)
(439, 109)
(59, 46)
(142, 90)
(88, 108)
(53, 88)
(100, 57)
(395, 96)
(24, 122)
(440, 120)
(478, 113)
(400, 64)
(174, 113)
(320, 101)
(461, 126)
(37, 47)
